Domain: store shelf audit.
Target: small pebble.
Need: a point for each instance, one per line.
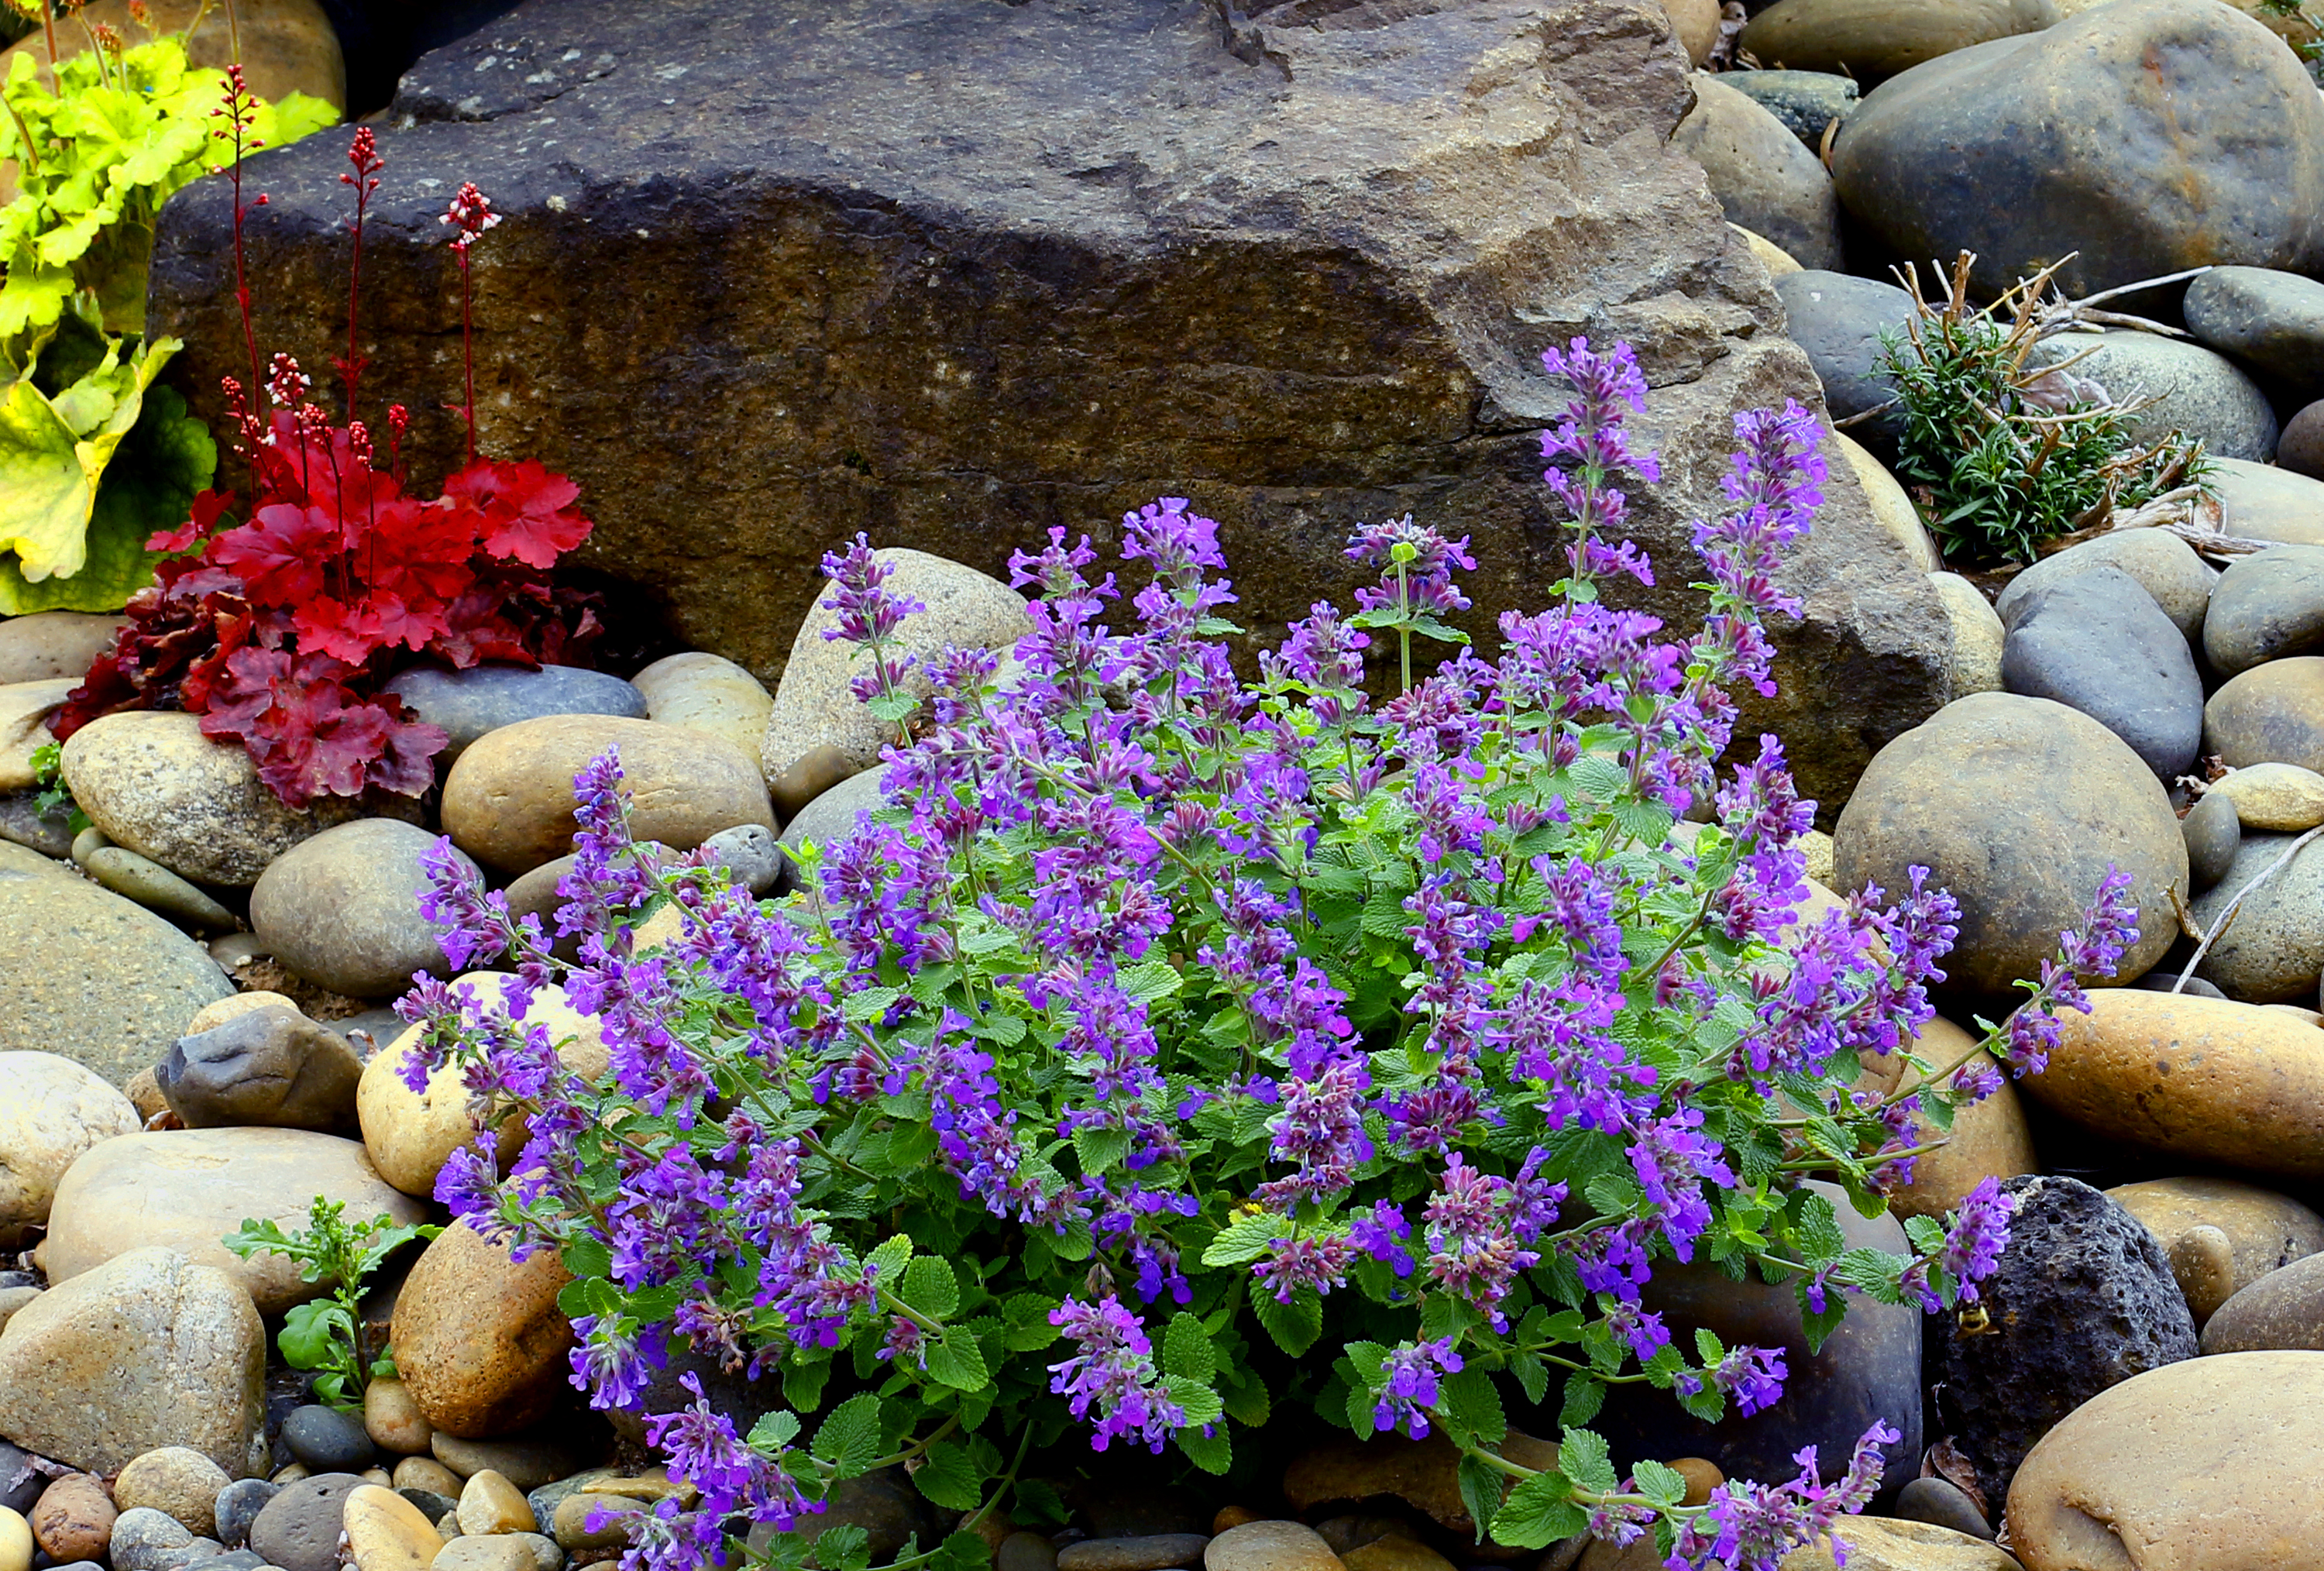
(89, 840)
(326, 1440)
(1940, 1504)
(386, 1532)
(237, 1506)
(74, 1519)
(156, 888)
(490, 1503)
(1150, 1552)
(1701, 1477)
(470, 1553)
(1231, 1516)
(820, 768)
(526, 1463)
(1269, 1546)
(143, 1537)
(2203, 1262)
(177, 1481)
(290, 1474)
(1028, 1552)
(2213, 835)
(546, 1555)
(395, 1421)
(232, 1560)
(427, 1473)
(1394, 1552)
(435, 1507)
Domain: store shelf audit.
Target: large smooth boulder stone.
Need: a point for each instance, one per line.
(1319, 277)
(2194, 390)
(1868, 1368)
(1806, 102)
(272, 1067)
(343, 909)
(479, 1340)
(2271, 714)
(2285, 1308)
(2264, 1231)
(25, 711)
(89, 975)
(1763, 178)
(1980, 796)
(2265, 606)
(1870, 40)
(2262, 502)
(2270, 320)
(52, 1110)
(469, 704)
(187, 1188)
(2205, 1466)
(708, 692)
(2272, 796)
(409, 1134)
(509, 801)
(2084, 1299)
(812, 706)
(2272, 952)
(1890, 504)
(49, 644)
(2204, 1079)
(154, 782)
(1841, 320)
(2098, 642)
(2165, 566)
(2077, 139)
(148, 1350)
(1978, 636)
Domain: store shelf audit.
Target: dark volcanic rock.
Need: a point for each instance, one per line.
(2084, 1299)
(953, 270)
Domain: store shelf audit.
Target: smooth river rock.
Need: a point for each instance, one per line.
(2271, 714)
(146, 1350)
(2165, 566)
(343, 909)
(479, 1341)
(1763, 178)
(2206, 1466)
(2265, 606)
(2282, 797)
(2193, 390)
(2264, 1231)
(90, 976)
(2285, 1308)
(2098, 642)
(2073, 139)
(469, 704)
(270, 1067)
(708, 692)
(2273, 951)
(2272, 321)
(2205, 1079)
(187, 1188)
(1980, 796)
(1870, 40)
(509, 800)
(1977, 635)
(52, 1110)
(1840, 321)
(2262, 502)
(154, 782)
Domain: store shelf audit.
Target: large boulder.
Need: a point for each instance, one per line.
(2205, 1079)
(1300, 273)
(90, 976)
(187, 1188)
(148, 1350)
(2084, 1299)
(2205, 1466)
(2019, 805)
(2146, 135)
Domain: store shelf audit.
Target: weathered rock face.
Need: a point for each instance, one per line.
(950, 271)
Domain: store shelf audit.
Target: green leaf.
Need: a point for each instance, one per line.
(893, 1254)
(1247, 1401)
(931, 1287)
(949, 1476)
(847, 1548)
(1480, 1491)
(803, 1383)
(1294, 1326)
(1583, 1457)
(1539, 1512)
(1474, 1405)
(1187, 1350)
(1201, 1403)
(961, 1551)
(1663, 1486)
(1100, 1149)
(774, 1430)
(1212, 1453)
(957, 1361)
(1245, 1239)
(849, 1438)
(869, 1003)
(1584, 1395)
(893, 708)
(311, 1331)
(1025, 1319)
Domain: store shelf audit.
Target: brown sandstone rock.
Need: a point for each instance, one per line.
(1300, 272)
(478, 1340)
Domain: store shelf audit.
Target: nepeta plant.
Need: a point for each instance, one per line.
(1163, 1026)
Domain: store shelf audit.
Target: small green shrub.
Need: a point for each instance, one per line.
(327, 1334)
(92, 457)
(2003, 450)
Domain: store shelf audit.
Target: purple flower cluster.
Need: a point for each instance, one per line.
(1408, 1385)
(1751, 1527)
(1111, 1374)
(866, 615)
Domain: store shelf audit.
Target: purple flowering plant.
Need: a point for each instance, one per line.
(1163, 1026)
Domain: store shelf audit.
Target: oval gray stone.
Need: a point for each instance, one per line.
(2274, 950)
(2271, 320)
(2073, 139)
(2271, 714)
(2262, 502)
(343, 909)
(156, 888)
(467, 704)
(2194, 390)
(1153, 1552)
(142, 1536)
(2266, 606)
(1763, 178)
(2213, 832)
(2285, 1308)
(1839, 320)
(270, 1067)
(2165, 566)
(298, 1529)
(2097, 642)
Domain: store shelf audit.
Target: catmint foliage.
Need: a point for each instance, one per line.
(1172, 1046)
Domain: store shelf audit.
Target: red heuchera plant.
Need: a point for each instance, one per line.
(288, 608)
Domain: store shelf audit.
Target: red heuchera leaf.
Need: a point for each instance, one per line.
(527, 512)
(278, 555)
(309, 737)
(420, 551)
(208, 508)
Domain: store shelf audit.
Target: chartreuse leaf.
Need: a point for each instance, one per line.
(1539, 1512)
(1245, 1239)
(849, 1439)
(931, 1287)
(1583, 1457)
(775, 1430)
(1659, 1483)
(955, 1359)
